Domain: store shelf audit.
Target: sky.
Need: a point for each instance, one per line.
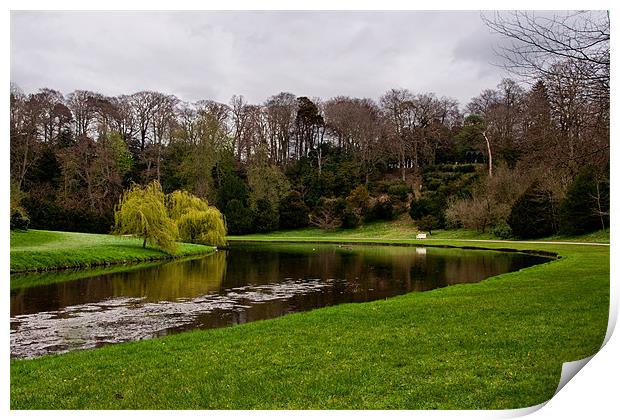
(216, 54)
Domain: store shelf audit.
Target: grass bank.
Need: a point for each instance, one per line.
(40, 250)
(492, 345)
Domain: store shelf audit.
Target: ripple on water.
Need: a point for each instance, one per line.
(122, 319)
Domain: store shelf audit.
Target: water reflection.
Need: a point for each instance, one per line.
(243, 284)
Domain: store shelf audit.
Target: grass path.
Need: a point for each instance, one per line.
(39, 250)
(492, 345)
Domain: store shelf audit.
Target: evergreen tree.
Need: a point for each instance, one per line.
(532, 215)
(586, 205)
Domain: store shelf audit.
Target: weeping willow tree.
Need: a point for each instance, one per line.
(141, 211)
(197, 221)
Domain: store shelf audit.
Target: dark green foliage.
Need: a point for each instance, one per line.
(239, 218)
(439, 184)
(350, 216)
(45, 213)
(468, 144)
(532, 215)
(359, 201)
(265, 216)
(19, 219)
(399, 191)
(428, 223)
(420, 207)
(46, 170)
(431, 203)
(384, 209)
(586, 205)
(293, 212)
(19, 216)
(339, 175)
(502, 230)
(231, 187)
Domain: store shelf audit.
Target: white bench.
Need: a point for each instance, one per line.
(421, 236)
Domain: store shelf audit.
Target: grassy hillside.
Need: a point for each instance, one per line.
(46, 250)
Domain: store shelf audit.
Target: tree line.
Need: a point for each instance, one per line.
(294, 160)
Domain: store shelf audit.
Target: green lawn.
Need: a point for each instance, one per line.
(404, 228)
(46, 250)
(496, 344)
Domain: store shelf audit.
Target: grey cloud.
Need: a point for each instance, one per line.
(199, 55)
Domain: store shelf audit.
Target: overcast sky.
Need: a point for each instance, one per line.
(213, 55)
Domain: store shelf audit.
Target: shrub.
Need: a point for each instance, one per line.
(502, 230)
(358, 202)
(399, 191)
(419, 208)
(293, 212)
(19, 219)
(265, 216)
(383, 209)
(351, 217)
(47, 214)
(19, 216)
(431, 203)
(472, 213)
(427, 223)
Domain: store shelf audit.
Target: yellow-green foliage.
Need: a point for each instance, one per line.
(142, 212)
(202, 227)
(196, 220)
(180, 202)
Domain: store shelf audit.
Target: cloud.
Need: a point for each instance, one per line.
(215, 54)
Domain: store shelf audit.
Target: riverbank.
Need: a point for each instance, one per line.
(496, 344)
(41, 250)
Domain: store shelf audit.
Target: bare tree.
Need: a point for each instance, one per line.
(280, 112)
(537, 41)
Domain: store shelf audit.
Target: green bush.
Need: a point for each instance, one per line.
(350, 216)
(431, 203)
(399, 191)
(239, 218)
(46, 213)
(19, 219)
(293, 212)
(359, 203)
(427, 223)
(265, 216)
(502, 230)
(384, 209)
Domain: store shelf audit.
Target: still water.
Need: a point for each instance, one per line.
(51, 314)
